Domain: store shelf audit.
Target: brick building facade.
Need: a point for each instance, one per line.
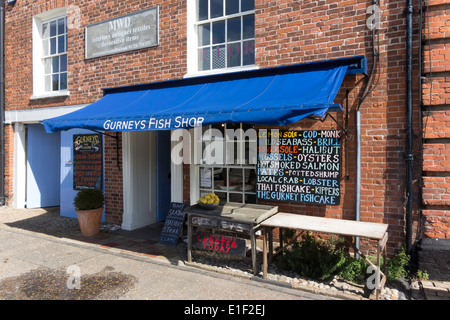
(285, 33)
(435, 245)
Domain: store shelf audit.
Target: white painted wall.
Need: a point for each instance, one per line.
(139, 179)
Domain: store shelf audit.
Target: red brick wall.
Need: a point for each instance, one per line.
(88, 77)
(300, 31)
(286, 32)
(9, 158)
(113, 178)
(289, 32)
(436, 120)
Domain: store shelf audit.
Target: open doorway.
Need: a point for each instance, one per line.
(163, 175)
(146, 178)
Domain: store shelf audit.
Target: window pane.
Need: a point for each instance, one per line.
(235, 178)
(61, 27)
(234, 29)
(218, 32)
(206, 178)
(219, 178)
(45, 30)
(236, 197)
(204, 34)
(222, 197)
(232, 6)
(63, 63)
(48, 81)
(234, 55)
(45, 47)
(202, 10)
(204, 59)
(247, 5)
(63, 81)
(61, 44)
(55, 64)
(218, 57)
(48, 66)
(248, 52)
(55, 82)
(216, 8)
(249, 26)
(52, 45)
(53, 28)
(250, 180)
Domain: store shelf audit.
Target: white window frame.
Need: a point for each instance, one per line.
(192, 42)
(39, 91)
(229, 164)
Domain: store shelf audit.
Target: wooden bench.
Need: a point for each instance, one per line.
(368, 230)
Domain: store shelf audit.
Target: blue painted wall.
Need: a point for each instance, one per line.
(67, 193)
(43, 162)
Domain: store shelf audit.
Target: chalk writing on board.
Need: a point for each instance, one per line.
(299, 166)
(173, 224)
(88, 161)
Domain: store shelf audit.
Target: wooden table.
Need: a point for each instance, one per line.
(368, 230)
(236, 218)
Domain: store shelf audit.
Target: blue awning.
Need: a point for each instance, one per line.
(273, 96)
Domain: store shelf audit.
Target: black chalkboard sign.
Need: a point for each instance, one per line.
(173, 225)
(299, 166)
(87, 161)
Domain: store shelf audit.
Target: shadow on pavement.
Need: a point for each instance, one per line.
(144, 241)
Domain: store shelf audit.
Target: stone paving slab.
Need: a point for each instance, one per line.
(436, 290)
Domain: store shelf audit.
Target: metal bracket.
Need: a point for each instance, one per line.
(117, 144)
(409, 157)
(347, 135)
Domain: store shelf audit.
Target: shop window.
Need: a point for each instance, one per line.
(228, 164)
(50, 54)
(225, 32)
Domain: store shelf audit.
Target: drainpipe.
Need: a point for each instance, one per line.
(409, 157)
(2, 103)
(365, 93)
(358, 174)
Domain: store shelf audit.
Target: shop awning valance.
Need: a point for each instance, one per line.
(272, 96)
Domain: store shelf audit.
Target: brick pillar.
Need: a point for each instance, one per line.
(434, 248)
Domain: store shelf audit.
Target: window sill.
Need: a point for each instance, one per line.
(220, 71)
(48, 95)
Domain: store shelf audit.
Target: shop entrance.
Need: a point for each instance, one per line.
(163, 162)
(147, 176)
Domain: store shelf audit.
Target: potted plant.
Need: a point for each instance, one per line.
(88, 204)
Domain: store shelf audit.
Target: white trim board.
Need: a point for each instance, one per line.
(36, 115)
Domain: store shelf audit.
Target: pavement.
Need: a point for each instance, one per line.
(142, 246)
(43, 256)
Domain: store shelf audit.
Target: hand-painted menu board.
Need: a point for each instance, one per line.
(299, 166)
(174, 224)
(87, 161)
